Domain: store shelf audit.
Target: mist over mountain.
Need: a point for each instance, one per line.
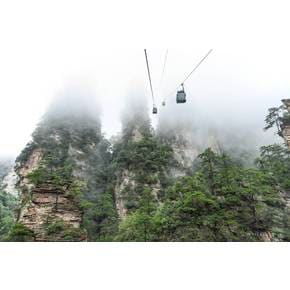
(75, 101)
(179, 177)
(100, 166)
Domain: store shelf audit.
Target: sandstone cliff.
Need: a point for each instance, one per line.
(57, 172)
(45, 205)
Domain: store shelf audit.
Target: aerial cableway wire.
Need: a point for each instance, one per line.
(163, 70)
(153, 100)
(194, 69)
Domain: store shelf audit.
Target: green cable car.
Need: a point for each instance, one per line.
(181, 96)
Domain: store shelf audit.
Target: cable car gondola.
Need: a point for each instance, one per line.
(154, 111)
(163, 103)
(181, 96)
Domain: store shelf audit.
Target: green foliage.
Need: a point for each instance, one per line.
(139, 226)
(100, 218)
(275, 159)
(76, 189)
(38, 175)
(72, 234)
(8, 205)
(146, 160)
(222, 201)
(276, 118)
(58, 175)
(20, 233)
(55, 227)
(147, 155)
(60, 231)
(74, 160)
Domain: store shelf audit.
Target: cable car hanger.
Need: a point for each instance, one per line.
(154, 110)
(181, 95)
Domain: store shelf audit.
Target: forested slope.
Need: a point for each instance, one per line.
(75, 185)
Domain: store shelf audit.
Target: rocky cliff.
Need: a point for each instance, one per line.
(56, 172)
(145, 184)
(136, 165)
(46, 204)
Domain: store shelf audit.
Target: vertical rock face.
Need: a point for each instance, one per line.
(134, 130)
(149, 159)
(49, 207)
(187, 143)
(286, 123)
(24, 169)
(54, 169)
(140, 158)
(125, 181)
(45, 205)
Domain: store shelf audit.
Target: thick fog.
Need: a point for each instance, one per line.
(76, 101)
(230, 92)
(56, 48)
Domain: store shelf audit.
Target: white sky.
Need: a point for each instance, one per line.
(48, 45)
